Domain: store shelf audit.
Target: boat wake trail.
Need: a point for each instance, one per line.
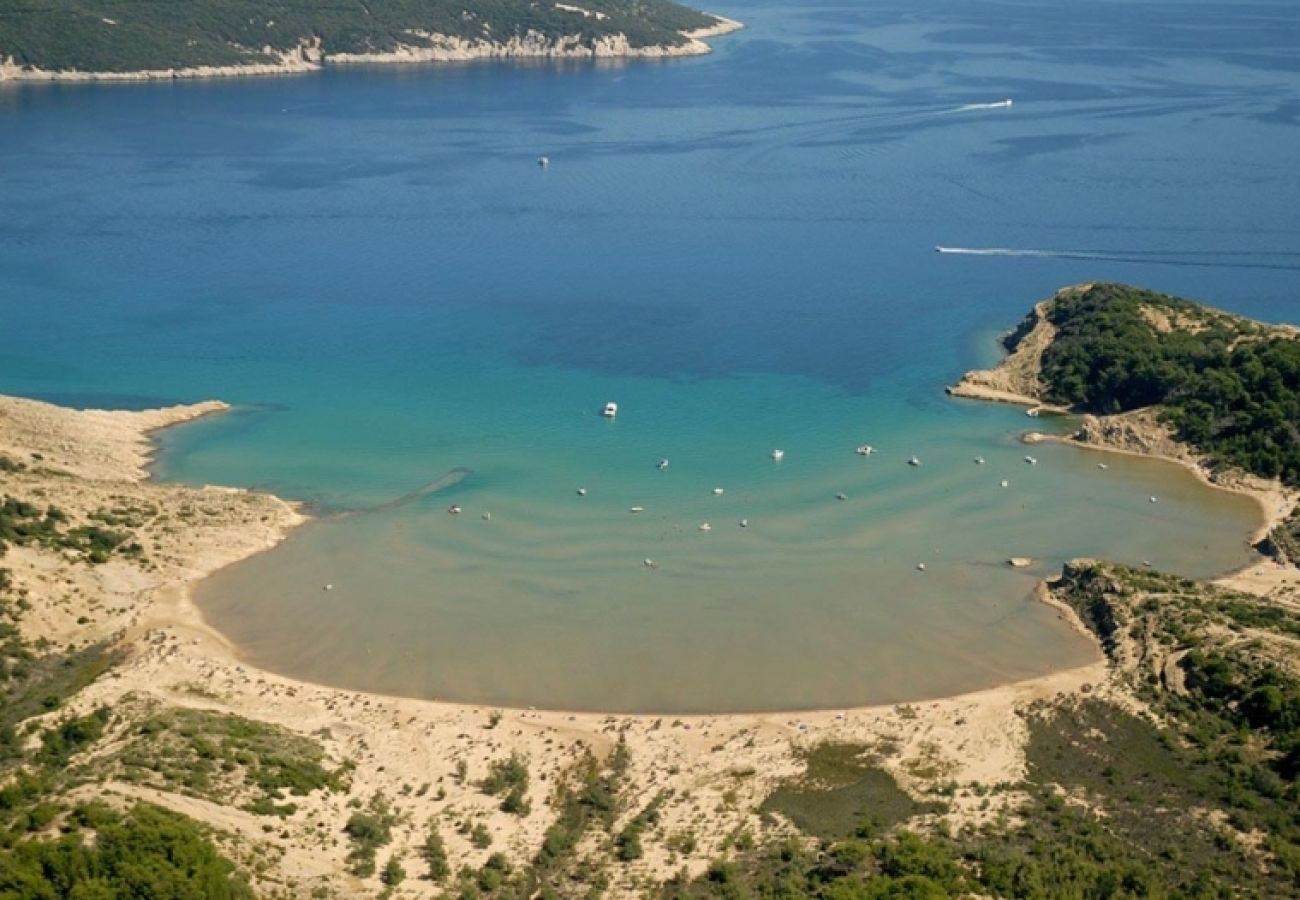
(971, 107)
(1213, 259)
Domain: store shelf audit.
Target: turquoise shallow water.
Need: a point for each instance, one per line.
(739, 250)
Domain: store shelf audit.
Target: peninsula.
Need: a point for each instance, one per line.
(139, 755)
(1161, 376)
(133, 40)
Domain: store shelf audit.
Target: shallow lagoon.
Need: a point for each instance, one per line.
(738, 249)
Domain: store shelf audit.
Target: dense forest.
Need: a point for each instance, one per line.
(1228, 387)
(134, 35)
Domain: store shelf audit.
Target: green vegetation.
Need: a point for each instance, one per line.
(145, 852)
(1227, 386)
(1198, 800)
(1227, 681)
(25, 524)
(72, 735)
(587, 799)
(369, 830)
(434, 852)
(148, 852)
(1136, 827)
(509, 777)
(584, 801)
(843, 793)
(627, 846)
(224, 757)
(34, 682)
(480, 837)
(393, 873)
(132, 35)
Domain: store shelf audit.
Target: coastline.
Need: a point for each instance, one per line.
(1014, 380)
(308, 57)
(174, 658)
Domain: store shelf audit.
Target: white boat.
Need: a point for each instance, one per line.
(662, 464)
(778, 455)
(454, 509)
(717, 492)
(841, 496)
(543, 161)
(1006, 483)
(636, 509)
(979, 460)
(1031, 460)
(582, 492)
(913, 461)
(744, 523)
(705, 526)
(865, 450)
(611, 410)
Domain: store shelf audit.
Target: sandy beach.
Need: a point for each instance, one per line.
(715, 769)
(426, 757)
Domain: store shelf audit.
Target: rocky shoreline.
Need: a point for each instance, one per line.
(308, 56)
(1017, 380)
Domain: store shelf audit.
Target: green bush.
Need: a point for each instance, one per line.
(148, 852)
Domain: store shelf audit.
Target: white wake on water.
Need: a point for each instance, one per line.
(1008, 251)
(998, 104)
(1222, 259)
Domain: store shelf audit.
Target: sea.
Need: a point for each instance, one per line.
(410, 314)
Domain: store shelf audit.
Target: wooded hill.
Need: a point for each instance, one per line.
(139, 35)
(1228, 386)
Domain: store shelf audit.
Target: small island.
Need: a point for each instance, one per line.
(134, 40)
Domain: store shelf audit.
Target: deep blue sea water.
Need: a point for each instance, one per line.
(739, 249)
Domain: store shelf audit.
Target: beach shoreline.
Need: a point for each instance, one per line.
(176, 659)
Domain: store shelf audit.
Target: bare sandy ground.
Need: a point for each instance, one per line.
(715, 769)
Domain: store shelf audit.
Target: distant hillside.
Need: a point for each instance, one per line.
(1224, 385)
(126, 36)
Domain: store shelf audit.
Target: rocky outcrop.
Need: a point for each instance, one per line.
(1282, 543)
(1090, 589)
(1139, 431)
(1017, 378)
